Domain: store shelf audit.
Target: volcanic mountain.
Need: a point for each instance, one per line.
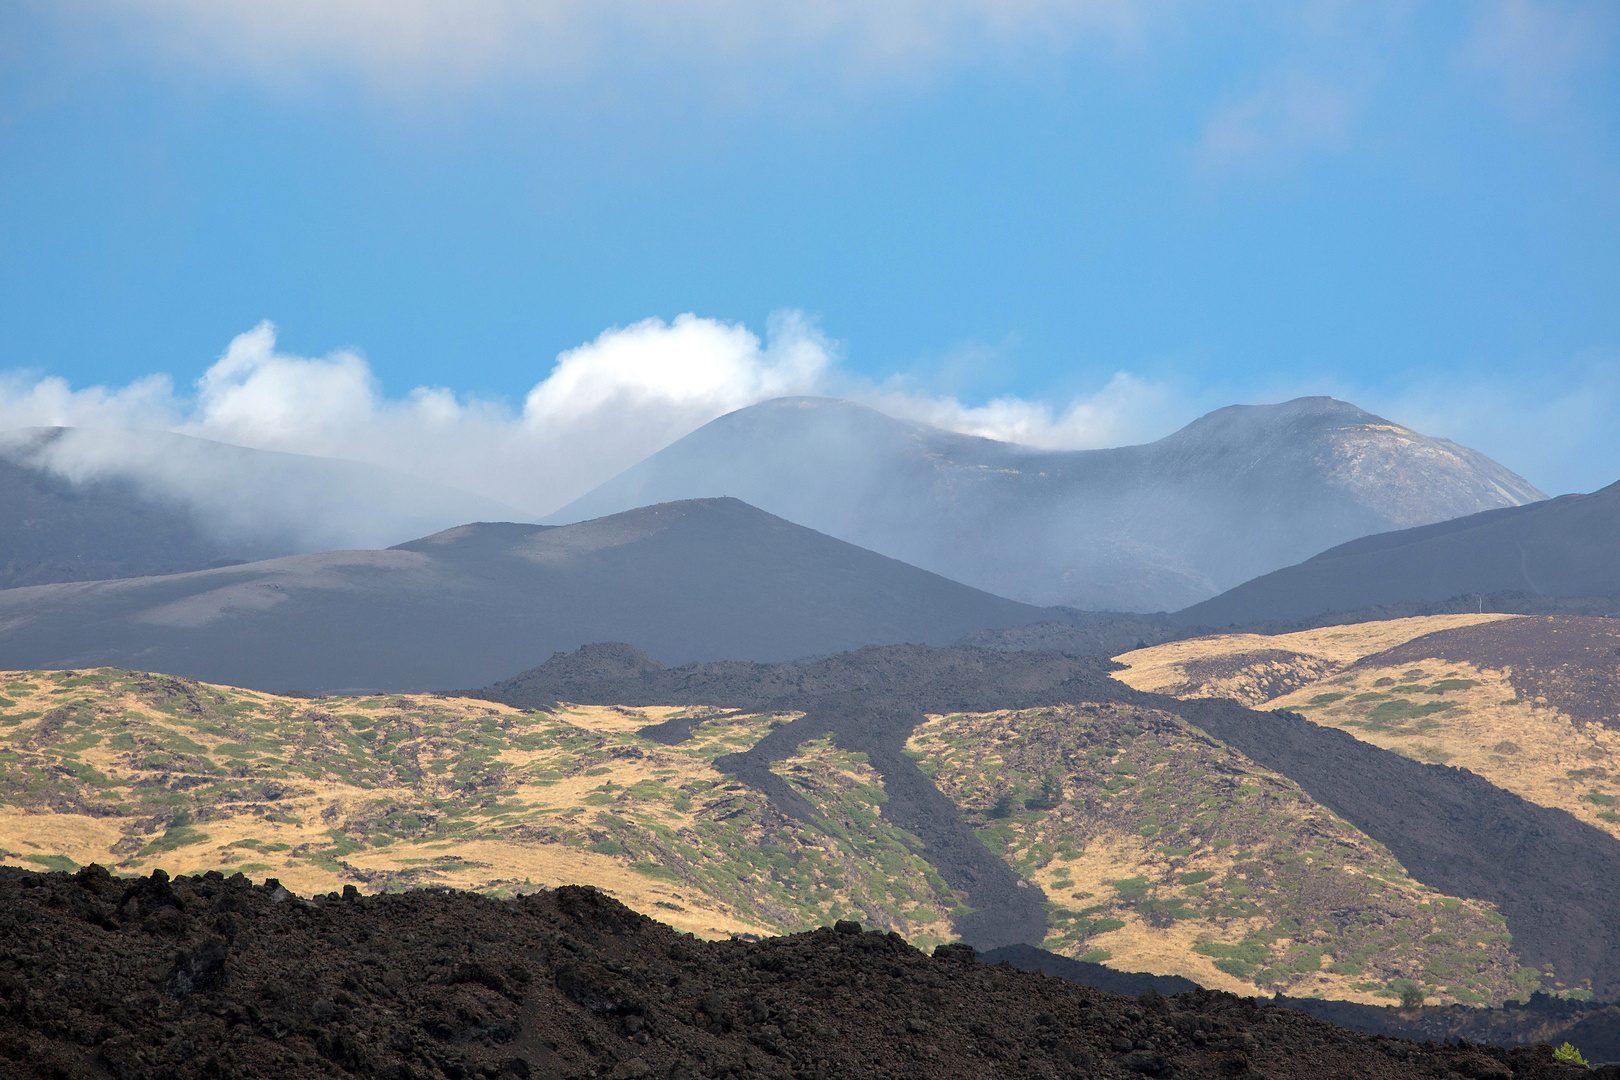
(1239, 492)
(79, 504)
(702, 580)
(1564, 547)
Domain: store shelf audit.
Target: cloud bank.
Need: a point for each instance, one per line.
(601, 408)
(611, 402)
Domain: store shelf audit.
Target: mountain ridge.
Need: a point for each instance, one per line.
(1157, 526)
(707, 579)
(1561, 548)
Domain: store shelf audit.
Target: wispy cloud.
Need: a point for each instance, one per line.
(1295, 113)
(1538, 53)
(412, 44)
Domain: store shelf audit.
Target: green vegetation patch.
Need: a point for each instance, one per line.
(1222, 839)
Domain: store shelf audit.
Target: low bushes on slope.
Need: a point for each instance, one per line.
(1151, 840)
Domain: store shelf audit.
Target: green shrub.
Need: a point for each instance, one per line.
(1568, 1053)
(1130, 890)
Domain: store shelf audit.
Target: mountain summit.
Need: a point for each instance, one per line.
(1235, 494)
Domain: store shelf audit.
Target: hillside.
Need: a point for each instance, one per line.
(82, 505)
(707, 579)
(1449, 829)
(1564, 547)
(938, 792)
(1157, 849)
(1532, 703)
(1240, 492)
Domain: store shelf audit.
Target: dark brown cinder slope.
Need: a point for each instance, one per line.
(687, 581)
(1563, 547)
(214, 978)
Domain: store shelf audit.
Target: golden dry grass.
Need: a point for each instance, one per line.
(1524, 746)
(1245, 667)
(136, 771)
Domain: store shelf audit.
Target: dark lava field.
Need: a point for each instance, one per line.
(216, 977)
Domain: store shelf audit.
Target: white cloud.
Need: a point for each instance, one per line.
(1128, 409)
(609, 403)
(604, 406)
(402, 44)
(601, 408)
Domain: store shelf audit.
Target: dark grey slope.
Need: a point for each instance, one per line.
(1551, 875)
(79, 504)
(1564, 547)
(54, 530)
(707, 580)
(1237, 493)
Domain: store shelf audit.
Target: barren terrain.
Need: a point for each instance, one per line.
(214, 977)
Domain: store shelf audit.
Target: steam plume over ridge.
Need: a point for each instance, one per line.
(84, 503)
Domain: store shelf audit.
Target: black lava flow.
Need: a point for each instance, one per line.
(209, 977)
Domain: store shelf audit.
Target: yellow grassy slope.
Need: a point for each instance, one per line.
(1254, 669)
(138, 771)
(1458, 714)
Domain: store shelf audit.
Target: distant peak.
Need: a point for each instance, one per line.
(1319, 405)
(1249, 421)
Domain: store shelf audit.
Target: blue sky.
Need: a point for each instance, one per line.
(1074, 222)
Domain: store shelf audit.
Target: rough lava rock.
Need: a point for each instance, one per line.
(216, 977)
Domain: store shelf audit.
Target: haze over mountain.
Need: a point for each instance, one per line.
(79, 504)
(703, 580)
(1237, 493)
(1563, 547)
